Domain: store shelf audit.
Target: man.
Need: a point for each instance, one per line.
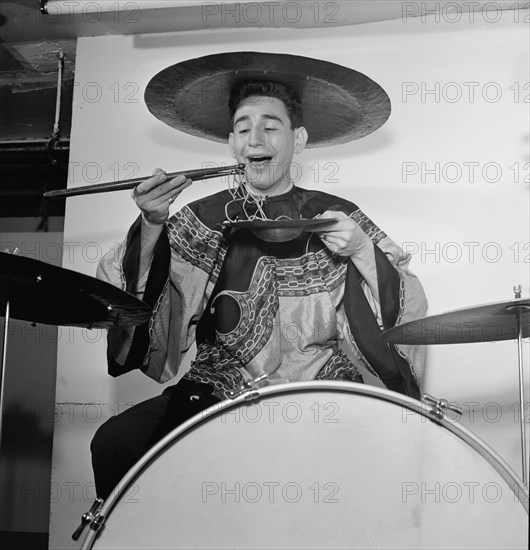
(308, 308)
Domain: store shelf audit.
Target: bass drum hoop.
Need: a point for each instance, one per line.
(508, 475)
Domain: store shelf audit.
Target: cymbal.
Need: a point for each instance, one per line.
(486, 323)
(282, 230)
(43, 293)
(339, 104)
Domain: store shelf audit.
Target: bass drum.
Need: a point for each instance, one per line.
(317, 465)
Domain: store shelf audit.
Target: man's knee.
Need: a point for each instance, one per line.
(129, 431)
(107, 437)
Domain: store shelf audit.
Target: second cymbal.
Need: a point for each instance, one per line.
(485, 323)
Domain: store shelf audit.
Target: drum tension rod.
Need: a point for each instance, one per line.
(247, 389)
(439, 407)
(92, 517)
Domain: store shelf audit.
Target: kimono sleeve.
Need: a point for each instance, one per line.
(176, 291)
(412, 303)
(401, 295)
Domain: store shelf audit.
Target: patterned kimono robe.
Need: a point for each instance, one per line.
(292, 310)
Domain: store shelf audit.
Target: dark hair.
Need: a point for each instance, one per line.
(267, 88)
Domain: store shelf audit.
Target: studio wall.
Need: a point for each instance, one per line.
(446, 178)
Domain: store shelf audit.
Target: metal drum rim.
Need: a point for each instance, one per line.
(482, 448)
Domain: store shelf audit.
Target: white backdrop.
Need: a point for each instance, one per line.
(446, 177)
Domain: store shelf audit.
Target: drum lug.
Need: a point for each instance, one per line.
(250, 395)
(97, 523)
(247, 389)
(91, 518)
(439, 407)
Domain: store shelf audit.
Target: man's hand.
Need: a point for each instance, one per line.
(154, 195)
(345, 237)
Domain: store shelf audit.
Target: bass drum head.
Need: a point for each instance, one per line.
(317, 465)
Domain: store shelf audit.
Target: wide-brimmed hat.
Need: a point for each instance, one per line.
(338, 103)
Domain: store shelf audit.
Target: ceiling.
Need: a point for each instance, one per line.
(31, 43)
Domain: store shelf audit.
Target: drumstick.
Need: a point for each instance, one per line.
(194, 175)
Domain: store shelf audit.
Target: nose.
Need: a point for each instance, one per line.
(256, 137)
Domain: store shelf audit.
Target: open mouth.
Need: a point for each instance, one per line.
(258, 160)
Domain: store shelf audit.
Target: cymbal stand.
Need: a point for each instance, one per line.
(4, 350)
(2, 372)
(518, 310)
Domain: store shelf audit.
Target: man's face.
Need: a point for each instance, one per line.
(262, 139)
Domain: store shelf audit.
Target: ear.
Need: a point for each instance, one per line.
(300, 139)
(231, 144)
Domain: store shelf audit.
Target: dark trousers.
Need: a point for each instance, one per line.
(121, 441)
